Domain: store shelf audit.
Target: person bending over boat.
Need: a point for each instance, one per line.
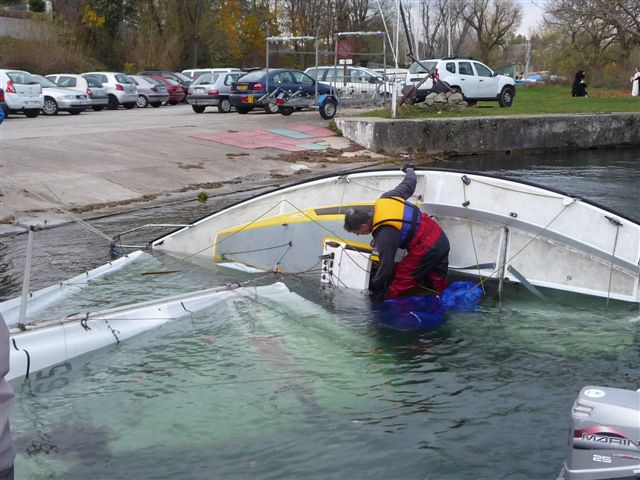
(397, 223)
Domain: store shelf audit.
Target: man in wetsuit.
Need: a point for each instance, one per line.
(397, 223)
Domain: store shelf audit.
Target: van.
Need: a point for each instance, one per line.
(194, 73)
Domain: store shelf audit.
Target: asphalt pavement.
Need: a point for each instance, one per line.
(54, 167)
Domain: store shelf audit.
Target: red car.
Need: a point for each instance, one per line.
(177, 93)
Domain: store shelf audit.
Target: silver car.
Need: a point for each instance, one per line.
(90, 85)
(120, 89)
(21, 92)
(212, 90)
(150, 91)
(58, 99)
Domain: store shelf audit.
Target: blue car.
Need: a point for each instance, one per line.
(248, 92)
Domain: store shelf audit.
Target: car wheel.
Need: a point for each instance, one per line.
(32, 113)
(505, 99)
(130, 105)
(142, 102)
(286, 111)
(113, 102)
(243, 110)
(50, 106)
(224, 106)
(98, 108)
(271, 108)
(156, 104)
(328, 109)
(198, 108)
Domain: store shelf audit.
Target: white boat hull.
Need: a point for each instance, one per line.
(497, 228)
(50, 344)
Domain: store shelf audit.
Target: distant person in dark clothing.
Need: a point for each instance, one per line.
(579, 88)
(396, 223)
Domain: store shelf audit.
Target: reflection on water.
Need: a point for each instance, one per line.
(307, 385)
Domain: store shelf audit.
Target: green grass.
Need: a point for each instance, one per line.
(532, 100)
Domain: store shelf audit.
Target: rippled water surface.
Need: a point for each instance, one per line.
(306, 384)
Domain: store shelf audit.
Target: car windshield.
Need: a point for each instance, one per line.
(44, 82)
(22, 78)
(206, 78)
(378, 75)
(417, 68)
(252, 76)
(93, 82)
(153, 81)
(122, 78)
(183, 78)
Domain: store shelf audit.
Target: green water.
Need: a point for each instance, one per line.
(307, 385)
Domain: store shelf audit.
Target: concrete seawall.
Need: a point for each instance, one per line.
(480, 135)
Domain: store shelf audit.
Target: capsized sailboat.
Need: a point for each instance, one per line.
(499, 230)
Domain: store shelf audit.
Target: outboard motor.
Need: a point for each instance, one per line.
(605, 435)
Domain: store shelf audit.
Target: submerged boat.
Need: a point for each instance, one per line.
(500, 231)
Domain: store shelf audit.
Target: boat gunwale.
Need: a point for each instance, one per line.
(346, 173)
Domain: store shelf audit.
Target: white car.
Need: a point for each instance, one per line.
(21, 92)
(470, 77)
(150, 91)
(90, 85)
(120, 89)
(58, 99)
(212, 90)
(194, 73)
(359, 82)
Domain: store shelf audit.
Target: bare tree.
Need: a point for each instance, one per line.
(193, 12)
(492, 21)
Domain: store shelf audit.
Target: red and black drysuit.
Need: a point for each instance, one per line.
(398, 223)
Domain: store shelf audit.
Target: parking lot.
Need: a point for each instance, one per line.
(110, 158)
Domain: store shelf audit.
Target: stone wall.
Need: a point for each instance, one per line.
(493, 134)
(25, 28)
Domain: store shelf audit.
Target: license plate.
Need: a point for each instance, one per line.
(250, 99)
(199, 89)
(242, 87)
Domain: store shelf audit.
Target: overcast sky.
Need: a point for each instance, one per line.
(532, 11)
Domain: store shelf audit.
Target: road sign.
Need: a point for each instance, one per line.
(345, 49)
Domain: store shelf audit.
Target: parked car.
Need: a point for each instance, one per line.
(151, 91)
(21, 92)
(359, 82)
(194, 73)
(90, 85)
(212, 90)
(3, 104)
(58, 99)
(470, 77)
(247, 92)
(120, 89)
(175, 76)
(176, 91)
